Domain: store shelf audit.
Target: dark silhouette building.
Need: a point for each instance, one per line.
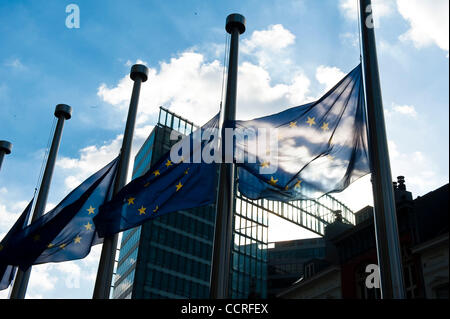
(286, 261)
(423, 231)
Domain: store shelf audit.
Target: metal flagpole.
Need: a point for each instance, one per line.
(139, 74)
(62, 112)
(387, 238)
(5, 148)
(235, 25)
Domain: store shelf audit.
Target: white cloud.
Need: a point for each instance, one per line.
(408, 110)
(271, 49)
(42, 279)
(15, 64)
(349, 38)
(429, 22)
(94, 157)
(381, 8)
(393, 151)
(62, 280)
(258, 97)
(419, 170)
(275, 38)
(191, 87)
(329, 76)
(91, 159)
(186, 85)
(10, 210)
(138, 61)
(395, 51)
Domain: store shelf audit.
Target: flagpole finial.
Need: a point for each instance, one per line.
(139, 71)
(235, 20)
(63, 110)
(6, 147)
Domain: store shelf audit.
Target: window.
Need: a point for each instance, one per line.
(309, 270)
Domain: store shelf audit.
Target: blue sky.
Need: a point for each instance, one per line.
(291, 52)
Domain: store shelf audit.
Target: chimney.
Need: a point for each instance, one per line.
(401, 194)
(401, 183)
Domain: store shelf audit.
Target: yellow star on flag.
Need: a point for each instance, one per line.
(62, 246)
(311, 121)
(273, 181)
(168, 163)
(293, 124)
(297, 185)
(331, 157)
(186, 171)
(325, 127)
(156, 209)
(178, 186)
(131, 201)
(147, 184)
(156, 173)
(142, 210)
(88, 226)
(91, 210)
(77, 240)
(264, 164)
(50, 245)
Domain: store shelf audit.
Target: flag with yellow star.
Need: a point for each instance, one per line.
(310, 150)
(67, 232)
(7, 272)
(168, 186)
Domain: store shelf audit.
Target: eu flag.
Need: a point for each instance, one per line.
(168, 186)
(317, 148)
(7, 272)
(67, 232)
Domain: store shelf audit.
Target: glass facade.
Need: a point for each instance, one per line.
(249, 251)
(170, 257)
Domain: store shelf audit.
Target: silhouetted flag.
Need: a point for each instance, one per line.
(166, 187)
(67, 232)
(322, 146)
(8, 272)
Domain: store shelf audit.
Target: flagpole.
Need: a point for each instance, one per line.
(139, 74)
(235, 25)
(62, 112)
(387, 238)
(5, 148)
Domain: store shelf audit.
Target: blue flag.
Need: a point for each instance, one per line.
(168, 186)
(7, 272)
(317, 148)
(67, 232)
